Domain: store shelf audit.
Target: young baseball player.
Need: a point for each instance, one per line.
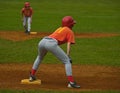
(63, 34)
(27, 12)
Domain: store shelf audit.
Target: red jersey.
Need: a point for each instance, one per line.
(27, 12)
(63, 35)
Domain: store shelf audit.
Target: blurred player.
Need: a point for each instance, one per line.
(27, 12)
(63, 34)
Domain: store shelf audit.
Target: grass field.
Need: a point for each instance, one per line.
(34, 91)
(92, 16)
(99, 51)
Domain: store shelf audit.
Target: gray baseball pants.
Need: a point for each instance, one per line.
(27, 23)
(51, 45)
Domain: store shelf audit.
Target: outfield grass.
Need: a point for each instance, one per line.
(99, 51)
(91, 16)
(41, 91)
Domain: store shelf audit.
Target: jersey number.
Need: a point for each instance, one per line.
(60, 30)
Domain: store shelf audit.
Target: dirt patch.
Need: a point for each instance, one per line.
(53, 77)
(21, 36)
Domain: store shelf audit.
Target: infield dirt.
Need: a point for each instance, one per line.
(53, 77)
(21, 36)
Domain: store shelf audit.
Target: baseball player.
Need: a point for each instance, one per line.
(63, 34)
(27, 12)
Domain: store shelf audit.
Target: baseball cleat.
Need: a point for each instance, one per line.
(26, 31)
(73, 85)
(32, 78)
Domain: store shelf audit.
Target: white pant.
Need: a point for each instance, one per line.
(49, 44)
(27, 23)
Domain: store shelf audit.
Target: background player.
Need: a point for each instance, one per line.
(27, 12)
(63, 34)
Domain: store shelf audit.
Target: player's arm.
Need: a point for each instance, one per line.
(31, 10)
(22, 14)
(68, 48)
(70, 40)
(68, 51)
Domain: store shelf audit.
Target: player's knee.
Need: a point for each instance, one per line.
(67, 61)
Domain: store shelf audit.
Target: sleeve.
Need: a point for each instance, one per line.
(22, 11)
(70, 37)
(31, 11)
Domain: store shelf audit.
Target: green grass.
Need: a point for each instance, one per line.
(99, 51)
(91, 15)
(41, 91)
(102, 51)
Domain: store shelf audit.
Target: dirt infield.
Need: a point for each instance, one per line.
(53, 77)
(21, 36)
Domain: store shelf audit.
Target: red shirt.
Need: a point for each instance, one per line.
(27, 12)
(63, 35)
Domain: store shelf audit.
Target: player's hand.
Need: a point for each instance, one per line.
(70, 60)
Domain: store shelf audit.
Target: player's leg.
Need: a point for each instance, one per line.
(61, 55)
(25, 24)
(29, 24)
(53, 47)
(41, 53)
